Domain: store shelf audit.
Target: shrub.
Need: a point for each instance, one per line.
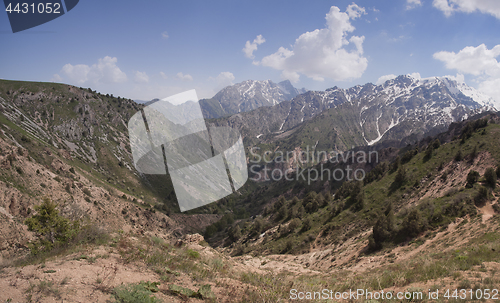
(490, 177)
(193, 254)
(283, 212)
(376, 173)
(257, 227)
(436, 144)
(51, 228)
(458, 156)
(481, 196)
(136, 293)
(312, 206)
(383, 228)
(279, 204)
(210, 231)
(473, 154)
(87, 192)
(412, 224)
(471, 126)
(357, 201)
(25, 139)
(395, 165)
(293, 225)
(306, 225)
(400, 178)
(472, 178)
(235, 233)
(409, 155)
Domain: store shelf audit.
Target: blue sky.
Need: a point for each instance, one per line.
(147, 49)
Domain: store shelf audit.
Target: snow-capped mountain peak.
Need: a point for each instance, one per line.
(248, 95)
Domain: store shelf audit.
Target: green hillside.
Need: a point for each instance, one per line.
(88, 129)
(422, 190)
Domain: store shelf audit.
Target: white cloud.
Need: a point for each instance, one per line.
(491, 88)
(354, 11)
(56, 78)
(323, 53)
(415, 76)
(443, 6)
(186, 77)
(448, 7)
(162, 74)
(141, 77)
(164, 35)
(472, 60)
(251, 47)
(384, 78)
(104, 71)
(411, 4)
(225, 79)
(477, 61)
(460, 78)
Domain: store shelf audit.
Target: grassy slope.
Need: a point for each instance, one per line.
(422, 174)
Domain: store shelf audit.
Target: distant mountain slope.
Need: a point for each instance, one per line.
(247, 96)
(394, 110)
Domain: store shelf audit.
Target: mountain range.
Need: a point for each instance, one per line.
(364, 115)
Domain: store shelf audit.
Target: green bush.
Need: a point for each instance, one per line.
(412, 224)
(51, 228)
(293, 225)
(472, 178)
(458, 156)
(283, 212)
(136, 293)
(481, 196)
(400, 177)
(306, 225)
(193, 254)
(235, 233)
(490, 177)
(257, 227)
(384, 229)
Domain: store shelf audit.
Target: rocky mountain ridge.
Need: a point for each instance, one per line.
(248, 95)
(393, 110)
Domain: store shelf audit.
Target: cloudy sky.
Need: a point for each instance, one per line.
(148, 49)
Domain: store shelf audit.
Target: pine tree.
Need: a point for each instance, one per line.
(51, 228)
